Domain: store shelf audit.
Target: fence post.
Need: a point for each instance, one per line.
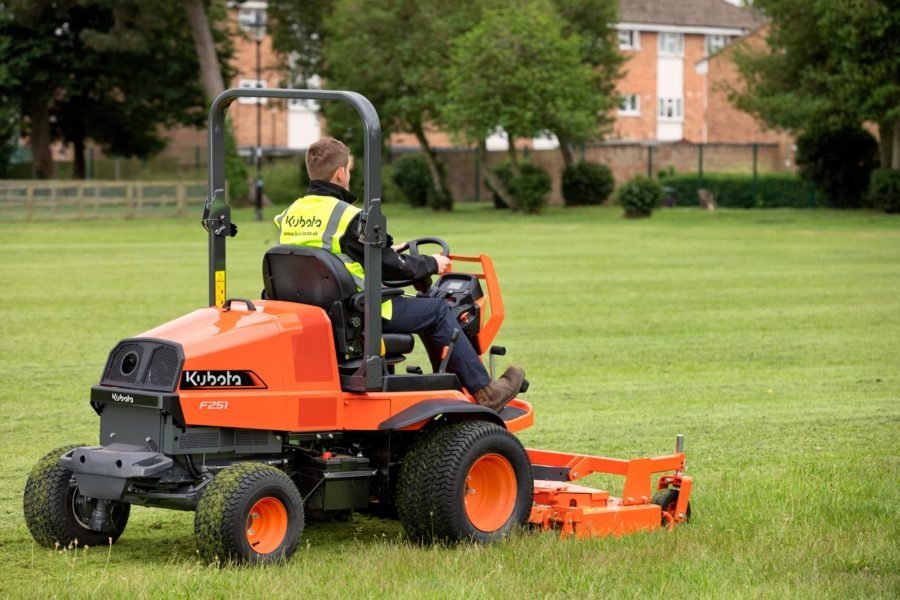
(180, 193)
(139, 199)
(29, 202)
(80, 196)
(700, 164)
(650, 161)
(477, 177)
(755, 158)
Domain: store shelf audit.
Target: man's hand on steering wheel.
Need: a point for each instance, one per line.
(443, 260)
(443, 263)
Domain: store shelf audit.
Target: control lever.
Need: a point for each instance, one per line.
(495, 351)
(448, 350)
(414, 370)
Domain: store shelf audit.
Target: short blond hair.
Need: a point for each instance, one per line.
(325, 157)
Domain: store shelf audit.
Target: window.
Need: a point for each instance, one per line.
(252, 19)
(629, 105)
(714, 43)
(671, 109)
(671, 43)
(629, 39)
(252, 83)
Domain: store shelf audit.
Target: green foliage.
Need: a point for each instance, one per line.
(639, 196)
(515, 70)
(737, 190)
(114, 72)
(838, 161)
(828, 62)
(587, 183)
(235, 170)
(884, 191)
(529, 190)
(412, 177)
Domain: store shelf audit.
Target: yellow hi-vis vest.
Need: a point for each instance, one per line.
(319, 222)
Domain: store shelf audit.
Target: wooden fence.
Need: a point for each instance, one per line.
(30, 200)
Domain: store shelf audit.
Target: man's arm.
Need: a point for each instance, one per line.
(394, 265)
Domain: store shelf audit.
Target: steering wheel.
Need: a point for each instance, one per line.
(413, 247)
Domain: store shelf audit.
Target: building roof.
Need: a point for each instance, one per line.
(687, 13)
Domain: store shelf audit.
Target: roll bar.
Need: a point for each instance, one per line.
(372, 231)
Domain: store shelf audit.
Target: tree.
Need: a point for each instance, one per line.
(114, 72)
(516, 71)
(593, 21)
(827, 62)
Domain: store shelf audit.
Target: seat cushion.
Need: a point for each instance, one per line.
(397, 343)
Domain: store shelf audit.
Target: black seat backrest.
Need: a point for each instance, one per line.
(306, 275)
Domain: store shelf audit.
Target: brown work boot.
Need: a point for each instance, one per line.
(496, 395)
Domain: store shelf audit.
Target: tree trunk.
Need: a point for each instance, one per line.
(491, 178)
(41, 159)
(886, 143)
(895, 149)
(79, 169)
(438, 175)
(210, 73)
(566, 150)
(513, 156)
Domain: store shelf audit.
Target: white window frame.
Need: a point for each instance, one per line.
(629, 39)
(247, 17)
(714, 43)
(670, 109)
(252, 84)
(671, 49)
(629, 105)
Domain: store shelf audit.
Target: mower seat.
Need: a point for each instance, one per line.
(318, 277)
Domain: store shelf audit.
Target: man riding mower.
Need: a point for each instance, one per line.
(256, 414)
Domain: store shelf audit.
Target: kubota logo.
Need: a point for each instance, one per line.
(293, 221)
(212, 379)
(127, 398)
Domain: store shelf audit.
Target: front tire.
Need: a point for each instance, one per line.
(667, 500)
(57, 514)
(465, 481)
(249, 513)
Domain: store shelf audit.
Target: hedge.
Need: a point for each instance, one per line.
(773, 190)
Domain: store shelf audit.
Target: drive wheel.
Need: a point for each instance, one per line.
(667, 500)
(57, 515)
(249, 513)
(465, 481)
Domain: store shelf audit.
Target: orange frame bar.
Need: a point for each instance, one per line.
(490, 327)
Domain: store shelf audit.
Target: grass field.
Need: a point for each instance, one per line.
(770, 339)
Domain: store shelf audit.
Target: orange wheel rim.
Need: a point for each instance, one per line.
(490, 492)
(267, 525)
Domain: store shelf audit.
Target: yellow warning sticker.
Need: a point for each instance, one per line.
(220, 288)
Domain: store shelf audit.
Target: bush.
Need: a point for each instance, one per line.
(639, 196)
(235, 172)
(285, 180)
(587, 183)
(529, 190)
(412, 177)
(736, 190)
(884, 191)
(838, 161)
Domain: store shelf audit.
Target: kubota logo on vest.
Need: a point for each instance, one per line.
(293, 221)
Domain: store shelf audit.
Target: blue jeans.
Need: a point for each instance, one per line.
(431, 319)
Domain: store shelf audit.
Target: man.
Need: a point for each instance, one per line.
(325, 218)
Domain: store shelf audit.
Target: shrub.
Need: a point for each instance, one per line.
(285, 180)
(413, 179)
(529, 190)
(587, 183)
(639, 196)
(235, 172)
(736, 190)
(884, 191)
(838, 161)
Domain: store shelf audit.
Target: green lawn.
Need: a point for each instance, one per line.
(770, 339)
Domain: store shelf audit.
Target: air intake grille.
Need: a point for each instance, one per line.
(249, 437)
(163, 370)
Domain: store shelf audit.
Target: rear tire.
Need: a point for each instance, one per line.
(667, 500)
(465, 481)
(57, 515)
(249, 513)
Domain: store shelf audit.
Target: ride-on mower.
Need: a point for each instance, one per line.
(258, 413)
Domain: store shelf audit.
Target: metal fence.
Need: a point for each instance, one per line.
(30, 200)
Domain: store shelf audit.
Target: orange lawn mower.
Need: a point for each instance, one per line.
(260, 414)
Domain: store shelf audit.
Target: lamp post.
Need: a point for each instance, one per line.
(259, 26)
